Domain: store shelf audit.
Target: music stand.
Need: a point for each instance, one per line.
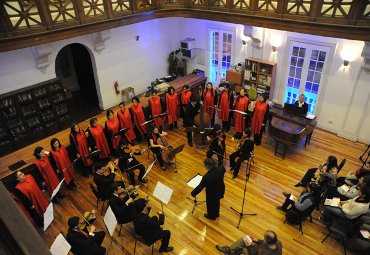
(93, 154)
(193, 183)
(174, 152)
(247, 173)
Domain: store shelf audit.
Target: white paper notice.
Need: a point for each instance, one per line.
(110, 221)
(60, 246)
(163, 193)
(48, 216)
(55, 191)
(194, 182)
(149, 168)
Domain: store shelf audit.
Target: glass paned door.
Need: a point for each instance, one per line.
(305, 70)
(220, 52)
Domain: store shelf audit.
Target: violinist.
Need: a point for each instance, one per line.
(218, 147)
(209, 99)
(104, 178)
(225, 104)
(84, 242)
(123, 204)
(138, 116)
(155, 145)
(172, 103)
(128, 163)
(192, 109)
(125, 120)
(155, 105)
(244, 150)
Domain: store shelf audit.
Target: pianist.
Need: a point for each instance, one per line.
(302, 106)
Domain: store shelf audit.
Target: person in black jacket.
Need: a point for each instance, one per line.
(104, 178)
(218, 147)
(243, 152)
(302, 106)
(83, 242)
(150, 227)
(192, 109)
(213, 181)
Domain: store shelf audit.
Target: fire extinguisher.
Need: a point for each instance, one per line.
(116, 87)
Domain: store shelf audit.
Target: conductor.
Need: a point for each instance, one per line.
(213, 181)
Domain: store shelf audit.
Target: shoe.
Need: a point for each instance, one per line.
(208, 217)
(168, 249)
(224, 249)
(190, 144)
(280, 208)
(298, 184)
(234, 176)
(143, 180)
(285, 194)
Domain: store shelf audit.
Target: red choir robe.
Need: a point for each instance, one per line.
(156, 109)
(224, 106)
(31, 190)
(185, 99)
(209, 100)
(172, 102)
(258, 117)
(113, 128)
(98, 135)
(241, 104)
(139, 118)
(125, 121)
(82, 148)
(62, 161)
(48, 173)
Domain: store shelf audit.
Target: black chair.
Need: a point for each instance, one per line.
(141, 239)
(340, 228)
(301, 216)
(98, 197)
(341, 165)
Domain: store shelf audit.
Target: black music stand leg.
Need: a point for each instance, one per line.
(368, 147)
(196, 202)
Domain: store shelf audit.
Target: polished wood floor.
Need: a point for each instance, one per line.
(192, 233)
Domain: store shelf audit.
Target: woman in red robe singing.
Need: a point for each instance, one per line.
(240, 104)
(226, 101)
(42, 163)
(259, 118)
(155, 105)
(97, 138)
(184, 99)
(62, 162)
(125, 121)
(30, 194)
(80, 148)
(172, 103)
(112, 127)
(139, 116)
(210, 99)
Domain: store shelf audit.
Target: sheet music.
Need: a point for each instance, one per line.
(344, 187)
(60, 246)
(310, 116)
(55, 191)
(110, 221)
(48, 216)
(162, 192)
(149, 168)
(194, 182)
(332, 202)
(365, 233)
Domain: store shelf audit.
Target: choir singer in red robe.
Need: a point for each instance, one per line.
(226, 102)
(155, 105)
(125, 120)
(80, 148)
(259, 118)
(240, 104)
(172, 104)
(210, 99)
(62, 162)
(139, 116)
(97, 139)
(184, 99)
(112, 127)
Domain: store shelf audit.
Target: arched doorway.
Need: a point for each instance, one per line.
(73, 65)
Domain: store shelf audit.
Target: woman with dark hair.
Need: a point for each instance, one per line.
(42, 163)
(184, 99)
(156, 148)
(112, 127)
(210, 99)
(80, 148)
(325, 172)
(139, 117)
(259, 118)
(172, 103)
(155, 105)
(125, 120)
(62, 162)
(240, 104)
(97, 138)
(225, 104)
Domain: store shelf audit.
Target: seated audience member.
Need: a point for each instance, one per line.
(349, 209)
(150, 227)
(352, 191)
(122, 203)
(357, 241)
(83, 242)
(270, 245)
(305, 201)
(104, 178)
(353, 177)
(325, 172)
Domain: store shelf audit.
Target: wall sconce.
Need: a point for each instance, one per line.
(345, 63)
(244, 43)
(274, 49)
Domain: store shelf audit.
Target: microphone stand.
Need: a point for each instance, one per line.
(248, 170)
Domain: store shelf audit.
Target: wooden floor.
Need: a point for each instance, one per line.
(192, 233)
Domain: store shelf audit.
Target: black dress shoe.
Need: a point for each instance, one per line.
(280, 208)
(208, 217)
(298, 184)
(224, 249)
(168, 249)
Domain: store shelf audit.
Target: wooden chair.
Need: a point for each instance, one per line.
(143, 241)
(98, 198)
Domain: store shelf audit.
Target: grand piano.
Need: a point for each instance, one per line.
(288, 127)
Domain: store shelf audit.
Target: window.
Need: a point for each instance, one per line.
(305, 70)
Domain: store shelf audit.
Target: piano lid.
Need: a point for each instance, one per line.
(302, 120)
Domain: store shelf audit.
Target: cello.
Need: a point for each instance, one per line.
(201, 121)
(167, 148)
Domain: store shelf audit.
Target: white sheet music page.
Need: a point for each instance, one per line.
(162, 192)
(48, 216)
(110, 221)
(57, 189)
(60, 246)
(194, 182)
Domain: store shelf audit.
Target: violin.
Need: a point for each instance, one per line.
(89, 217)
(131, 149)
(111, 166)
(130, 191)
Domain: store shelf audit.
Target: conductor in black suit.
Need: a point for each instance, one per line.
(83, 242)
(192, 109)
(301, 105)
(213, 181)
